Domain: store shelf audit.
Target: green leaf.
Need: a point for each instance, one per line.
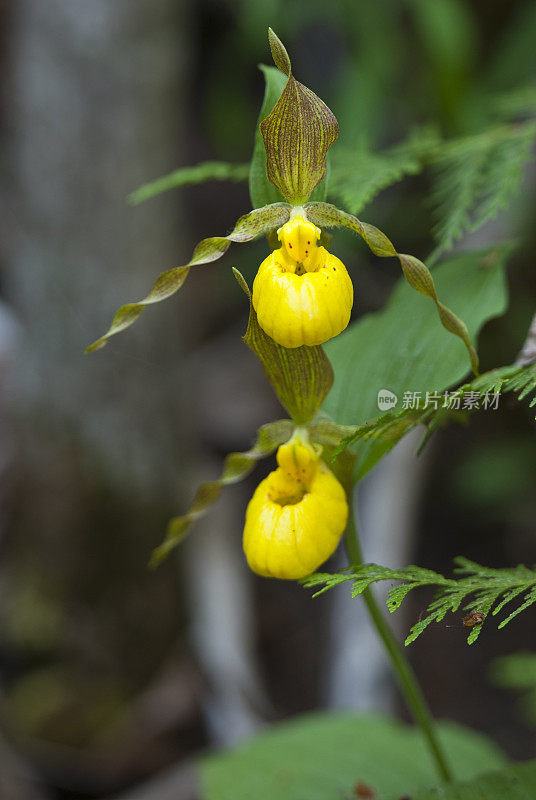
(187, 176)
(297, 134)
(323, 757)
(301, 376)
(516, 671)
(248, 227)
(402, 349)
(515, 783)
(237, 466)
(415, 272)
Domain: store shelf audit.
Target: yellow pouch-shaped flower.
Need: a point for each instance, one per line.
(302, 294)
(296, 517)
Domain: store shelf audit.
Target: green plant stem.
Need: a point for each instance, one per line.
(404, 673)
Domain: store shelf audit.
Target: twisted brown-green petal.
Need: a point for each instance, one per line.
(237, 466)
(297, 134)
(415, 272)
(248, 227)
(301, 376)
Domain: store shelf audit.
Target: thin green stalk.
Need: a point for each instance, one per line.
(406, 678)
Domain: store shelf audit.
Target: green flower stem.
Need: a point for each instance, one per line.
(404, 673)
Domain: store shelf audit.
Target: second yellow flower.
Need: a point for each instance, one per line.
(297, 515)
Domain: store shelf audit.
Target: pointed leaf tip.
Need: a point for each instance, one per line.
(279, 53)
(242, 282)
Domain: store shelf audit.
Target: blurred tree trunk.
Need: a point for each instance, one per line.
(17, 780)
(98, 442)
(95, 92)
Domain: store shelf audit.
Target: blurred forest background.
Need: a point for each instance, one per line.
(114, 679)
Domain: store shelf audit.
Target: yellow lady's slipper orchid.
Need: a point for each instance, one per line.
(302, 293)
(297, 515)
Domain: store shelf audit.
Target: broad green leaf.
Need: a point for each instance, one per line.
(415, 272)
(402, 349)
(297, 134)
(248, 227)
(237, 466)
(323, 757)
(187, 176)
(515, 783)
(301, 376)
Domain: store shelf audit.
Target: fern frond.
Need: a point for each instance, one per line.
(357, 175)
(517, 103)
(504, 174)
(457, 184)
(188, 176)
(482, 590)
(476, 177)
